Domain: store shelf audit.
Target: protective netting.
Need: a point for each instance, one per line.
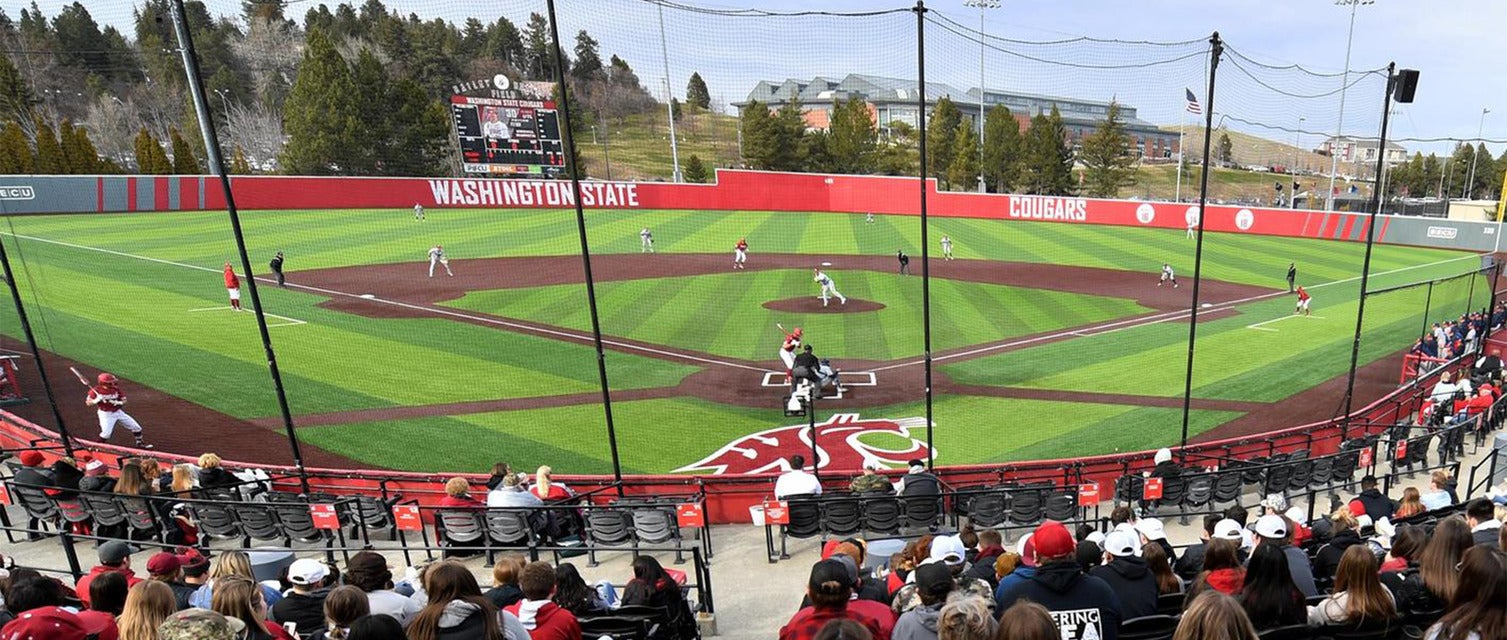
(447, 323)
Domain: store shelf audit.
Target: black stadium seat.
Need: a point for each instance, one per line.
(1157, 627)
(1061, 506)
(1228, 486)
(606, 527)
(841, 515)
(881, 514)
(805, 517)
(988, 509)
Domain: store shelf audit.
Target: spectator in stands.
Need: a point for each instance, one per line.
(932, 585)
(203, 624)
(505, 591)
(65, 477)
(1192, 560)
(107, 598)
(33, 474)
(1121, 515)
(1061, 587)
(878, 608)
(97, 478)
(238, 597)
(303, 605)
(29, 590)
(1407, 543)
(1089, 555)
(1023, 621)
(1165, 466)
(147, 605)
(151, 471)
(1269, 596)
(1156, 560)
(843, 629)
(1489, 367)
(1358, 594)
(652, 586)
(1227, 529)
(545, 487)
(456, 610)
(949, 551)
(1479, 613)
(55, 623)
(376, 627)
(367, 571)
(1127, 575)
(231, 563)
(510, 493)
(500, 472)
(195, 573)
(1214, 616)
(114, 557)
(214, 476)
(183, 482)
(1004, 565)
(1410, 505)
(1435, 582)
(991, 546)
(1484, 525)
(1151, 530)
(1378, 505)
(1222, 571)
(1024, 571)
(458, 495)
(574, 595)
(830, 592)
(544, 619)
(1272, 531)
(796, 481)
(1441, 491)
(867, 587)
(917, 481)
(1443, 390)
(166, 568)
(342, 608)
(870, 481)
(1346, 533)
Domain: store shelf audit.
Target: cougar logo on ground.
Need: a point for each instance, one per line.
(840, 447)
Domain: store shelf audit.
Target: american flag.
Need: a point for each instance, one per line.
(1193, 106)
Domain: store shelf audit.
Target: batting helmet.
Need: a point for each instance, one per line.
(797, 333)
(106, 378)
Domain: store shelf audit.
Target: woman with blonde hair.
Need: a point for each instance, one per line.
(147, 605)
(1411, 505)
(240, 598)
(214, 476)
(1346, 534)
(545, 488)
(1026, 620)
(183, 481)
(1215, 616)
(1358, 595)
(231, 564)
(458, 495)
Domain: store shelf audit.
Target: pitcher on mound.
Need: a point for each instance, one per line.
(828, 288)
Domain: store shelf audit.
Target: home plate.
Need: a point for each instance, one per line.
(369, 296)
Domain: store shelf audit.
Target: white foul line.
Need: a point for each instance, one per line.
(291, 322)
(1260, 326)
(405, 305)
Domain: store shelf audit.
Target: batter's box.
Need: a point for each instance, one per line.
(849, 379)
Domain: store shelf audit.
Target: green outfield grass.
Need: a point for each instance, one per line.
(138, 294)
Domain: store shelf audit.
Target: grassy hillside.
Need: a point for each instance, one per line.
(637, 147)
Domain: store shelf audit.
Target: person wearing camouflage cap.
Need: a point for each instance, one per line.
(200, 624)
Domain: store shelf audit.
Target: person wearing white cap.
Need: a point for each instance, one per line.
(948, 550)
(1271, 530)
(303, 605)
(1151, 530)
(1127, 575)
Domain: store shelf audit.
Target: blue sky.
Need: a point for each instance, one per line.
(1456, 44)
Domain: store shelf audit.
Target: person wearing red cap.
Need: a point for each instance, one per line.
(1083, 606)
(33, 475)
(167, 568)
(52, 623)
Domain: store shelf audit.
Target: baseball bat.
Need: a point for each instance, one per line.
(81, 378)
(781, 327)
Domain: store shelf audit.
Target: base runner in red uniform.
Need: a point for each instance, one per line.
(1303, 300)
(109, 400)
(233, 287)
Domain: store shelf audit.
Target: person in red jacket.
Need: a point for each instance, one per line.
(114, 556)
(233, 287)
(544, 619)
(830, 589)
(458, 494)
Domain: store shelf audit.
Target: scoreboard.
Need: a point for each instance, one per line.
(508, 137)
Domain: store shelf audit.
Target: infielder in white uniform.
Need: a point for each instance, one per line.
(645, 241)
(437, 257)
(1167, 275)
(1192, 229)
(110, 402)
(828, 289)
(946, 247)
(418, 212)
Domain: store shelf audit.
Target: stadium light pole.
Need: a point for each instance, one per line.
(664, 52)
(1339, 129)
(982, 5)
(1470, 180)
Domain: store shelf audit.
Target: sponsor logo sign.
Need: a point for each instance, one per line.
(1443, 233)
(840, 445)
(1244, 219)
(1145, 213)
(1191, 215)
(17, 192)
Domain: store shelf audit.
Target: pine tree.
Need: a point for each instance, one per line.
(1047, 160)
(184, 162)
(16, 97)
(577, 125)
(760, 141)
(50, 159)
(78, 151)
(852, 137)
(790, 136)
(150, 158)
(897, 155)
(420, 132)
(693, 170)
(963, 174)
(238, 163)
(15, 152)
(1108, 162)
(1002, 144)
(696, 93)
(1226, 150)
(945, 118)
(321, 115)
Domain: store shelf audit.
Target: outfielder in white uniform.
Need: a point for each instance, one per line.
(828, 288)
(946, 247)
(418, 212)
(110, 401)
(645, 241)
(437, 257)
(1192, 229)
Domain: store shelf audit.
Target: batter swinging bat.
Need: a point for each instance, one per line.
(82, 380)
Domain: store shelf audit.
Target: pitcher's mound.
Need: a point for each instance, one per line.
(812, 304)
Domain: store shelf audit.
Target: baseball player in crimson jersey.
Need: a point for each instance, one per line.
(740, 254)
(107, 398)
(1303, 300)
(233, 287)
(787, 350)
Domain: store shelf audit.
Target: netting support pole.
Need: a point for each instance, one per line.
(567, 137)
(36, 353)
(1216, 48)
(925, 242)
(1428, 301)
(1365, 268)
(1491, 306)
(217, 165)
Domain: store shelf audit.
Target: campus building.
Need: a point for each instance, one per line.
(894, 100)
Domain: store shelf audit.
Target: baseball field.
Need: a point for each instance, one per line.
(1049, 340)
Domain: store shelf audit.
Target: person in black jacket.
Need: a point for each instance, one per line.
(96, 478)
(1192, 560)
(65, 478)
(806, 367)
(991, 547)
(1377, 505)
(1127, 575)
(303, 605)
(1082, 606)
(1485, 529)
(277, 268)
(34, 476)
(212, 475)
(918, 481)
(1346, 534)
